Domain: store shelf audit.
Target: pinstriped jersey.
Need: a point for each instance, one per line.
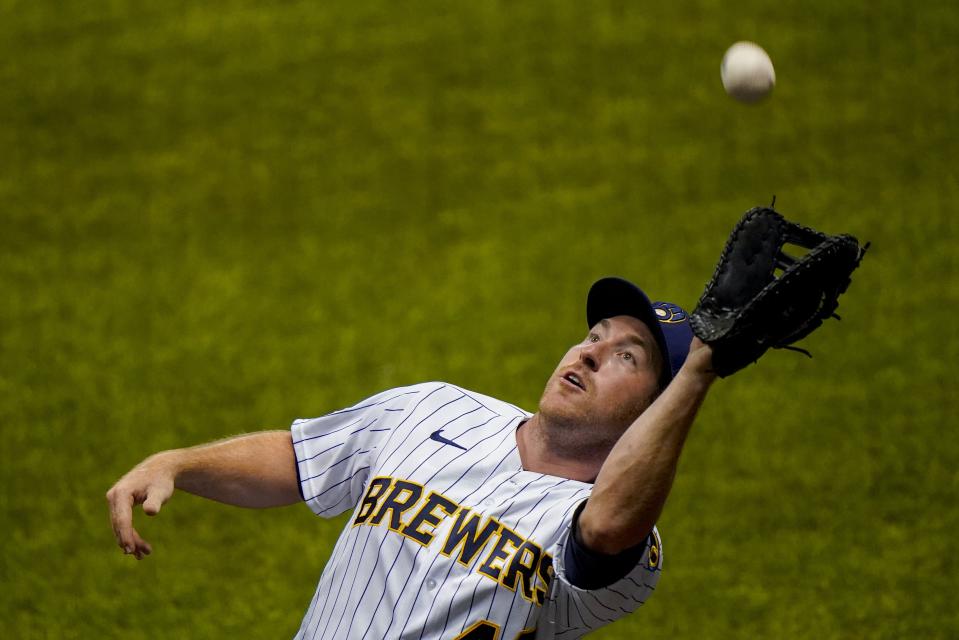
(450, 538)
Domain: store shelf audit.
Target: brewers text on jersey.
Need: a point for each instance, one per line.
(443, 537)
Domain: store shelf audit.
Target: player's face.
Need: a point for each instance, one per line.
(603, 383)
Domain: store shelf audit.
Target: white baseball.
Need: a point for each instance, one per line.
(747, 72)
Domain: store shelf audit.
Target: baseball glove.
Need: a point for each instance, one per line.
(760, 297)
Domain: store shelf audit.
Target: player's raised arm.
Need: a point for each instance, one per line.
(759, 297)
(256, 470)
(634, 482)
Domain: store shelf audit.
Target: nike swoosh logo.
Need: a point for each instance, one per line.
(436, 436)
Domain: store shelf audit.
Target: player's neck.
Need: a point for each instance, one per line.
(540, 453)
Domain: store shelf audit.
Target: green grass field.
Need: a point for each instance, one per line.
(215, 218)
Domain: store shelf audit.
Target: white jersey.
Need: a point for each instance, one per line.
(450, 538)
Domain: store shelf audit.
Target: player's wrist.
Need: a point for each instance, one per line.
(166, 463)
(698, 367)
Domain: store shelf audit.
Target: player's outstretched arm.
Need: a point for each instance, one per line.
(257, 470)
(634, 481)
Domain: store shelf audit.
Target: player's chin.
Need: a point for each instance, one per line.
(554, 393)
(563, 406)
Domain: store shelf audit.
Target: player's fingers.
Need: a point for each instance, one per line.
(142, 548)
(139, 548)
(157, 495)
(121, 517)
(152, 506)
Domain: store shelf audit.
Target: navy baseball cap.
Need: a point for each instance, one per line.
(668, 322)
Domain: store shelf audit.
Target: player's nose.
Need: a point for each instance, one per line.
(589, 355)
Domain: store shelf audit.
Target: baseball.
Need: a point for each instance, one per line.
(747, 72)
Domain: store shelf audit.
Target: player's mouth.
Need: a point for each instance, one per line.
(573, 379)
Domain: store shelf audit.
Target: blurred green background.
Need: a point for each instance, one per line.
(218, 217)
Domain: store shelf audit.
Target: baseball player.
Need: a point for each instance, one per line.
(472, 518)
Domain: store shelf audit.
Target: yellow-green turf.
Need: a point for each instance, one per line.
(218, 217)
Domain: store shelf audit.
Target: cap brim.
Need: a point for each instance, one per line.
(611, 297)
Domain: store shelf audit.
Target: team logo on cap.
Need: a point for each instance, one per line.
(668, 313)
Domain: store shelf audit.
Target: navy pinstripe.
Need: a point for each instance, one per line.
(386, 583)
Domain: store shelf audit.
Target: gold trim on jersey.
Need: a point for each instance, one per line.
(513, 561)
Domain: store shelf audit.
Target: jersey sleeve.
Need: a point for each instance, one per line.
(588, 569)
(571, 611)
(334, 453)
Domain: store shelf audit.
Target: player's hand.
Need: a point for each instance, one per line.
(700, 359)
(151, 484)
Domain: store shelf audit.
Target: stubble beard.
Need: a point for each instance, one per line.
(580, 432)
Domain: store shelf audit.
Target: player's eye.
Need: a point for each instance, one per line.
(592, 338)
(628, 357)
